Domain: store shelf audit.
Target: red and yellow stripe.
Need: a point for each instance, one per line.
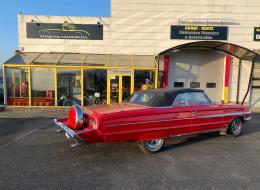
(227, 78)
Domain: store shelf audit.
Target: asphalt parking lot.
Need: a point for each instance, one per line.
(33, 156)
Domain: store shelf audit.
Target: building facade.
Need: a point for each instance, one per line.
(66, 56)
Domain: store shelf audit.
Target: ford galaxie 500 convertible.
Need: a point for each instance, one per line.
(151, 116)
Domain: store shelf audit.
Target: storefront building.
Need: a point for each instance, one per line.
(64, 79)
(92, 60)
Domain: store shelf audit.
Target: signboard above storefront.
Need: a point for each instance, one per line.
(257, 34)
(65, 31)
(199, 32)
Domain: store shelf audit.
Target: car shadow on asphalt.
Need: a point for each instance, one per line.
(178, 142)
(173, 143)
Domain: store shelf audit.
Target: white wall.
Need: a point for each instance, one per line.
(143, 26)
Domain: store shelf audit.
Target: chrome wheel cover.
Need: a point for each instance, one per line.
(236, 126)
(154, 145)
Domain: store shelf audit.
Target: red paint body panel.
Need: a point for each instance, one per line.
(227, 71)
(131, 122)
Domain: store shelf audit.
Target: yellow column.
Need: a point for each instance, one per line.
(20, 82)
(132, 84)
(120, 89)
(13, 81)
(156, 78)
(29, 86)
(108, 89)
(81, 87)
(4, 85)
(55, 87)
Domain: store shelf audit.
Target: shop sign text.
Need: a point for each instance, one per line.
(199, 32)
(65, 31)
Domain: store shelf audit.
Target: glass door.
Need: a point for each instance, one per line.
(119, 87)
(126, 87)
(114, 89)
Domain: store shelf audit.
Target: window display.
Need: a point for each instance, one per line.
(17, 86)
(43, 87)
(68, 84)
(95, 86)
(144, 80)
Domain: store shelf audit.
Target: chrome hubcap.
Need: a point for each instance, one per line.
(154, 145)
(236, 126)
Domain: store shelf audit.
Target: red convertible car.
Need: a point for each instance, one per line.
(151, 116)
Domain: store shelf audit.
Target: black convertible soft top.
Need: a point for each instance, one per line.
(165, 96)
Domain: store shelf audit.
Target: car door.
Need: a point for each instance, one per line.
(205, 116)
(181, 114)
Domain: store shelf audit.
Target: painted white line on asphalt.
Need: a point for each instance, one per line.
(25, 135)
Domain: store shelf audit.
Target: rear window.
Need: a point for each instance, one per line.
(191, 99)
(140, 98)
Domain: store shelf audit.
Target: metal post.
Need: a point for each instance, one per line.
(29, 86)
(238, 80)
(250, 80)
(55, 88)
(81, 86)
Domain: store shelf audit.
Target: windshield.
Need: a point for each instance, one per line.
(140, 98)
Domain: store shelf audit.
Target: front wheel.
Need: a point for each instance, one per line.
(235, 127)
(151, 146)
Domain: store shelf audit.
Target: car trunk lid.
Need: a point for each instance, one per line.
(112, 108)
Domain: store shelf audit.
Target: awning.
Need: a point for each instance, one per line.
(232, 49)
(82, 59)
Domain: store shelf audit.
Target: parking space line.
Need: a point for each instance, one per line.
(25, 135)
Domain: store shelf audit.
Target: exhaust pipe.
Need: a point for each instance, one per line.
(59, 130)
(75, 144)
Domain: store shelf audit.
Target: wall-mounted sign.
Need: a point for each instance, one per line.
(257, 34)
(65, 31)
(199, 32)
(120, 71)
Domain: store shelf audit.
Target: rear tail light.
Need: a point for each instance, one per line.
(75, 117)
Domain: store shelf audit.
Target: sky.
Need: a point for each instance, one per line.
(9, 10)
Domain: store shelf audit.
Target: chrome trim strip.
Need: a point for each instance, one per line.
(70, 132)
(197, 132)
(223, 115)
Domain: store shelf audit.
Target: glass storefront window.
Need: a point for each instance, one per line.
(95, 87)
(69, 88)
(144, 80)
(17, 86)
(42, 87)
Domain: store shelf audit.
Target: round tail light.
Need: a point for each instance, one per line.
(75, 117)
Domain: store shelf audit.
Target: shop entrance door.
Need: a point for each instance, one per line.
(119, 87)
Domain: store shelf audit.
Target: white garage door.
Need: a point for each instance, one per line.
(198, 69)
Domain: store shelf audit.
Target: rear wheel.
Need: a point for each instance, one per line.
(151, 146)
(235, 127)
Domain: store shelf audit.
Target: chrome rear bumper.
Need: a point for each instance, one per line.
(69, 131)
